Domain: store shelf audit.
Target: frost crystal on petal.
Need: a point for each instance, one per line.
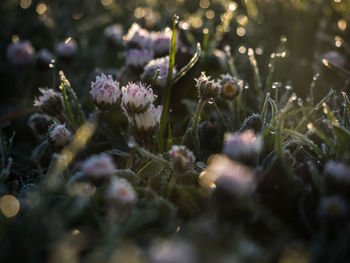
(136, 98)
(105, 91)
(59, 135)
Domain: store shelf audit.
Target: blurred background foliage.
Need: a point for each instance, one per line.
(311, 29)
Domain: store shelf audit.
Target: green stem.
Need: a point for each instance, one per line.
(223, 118)
(171, 185)
(131, 159)
(66, 104)
(163, 119)
(154, 81)
(231, 63)
(73, 95)
(197, 114)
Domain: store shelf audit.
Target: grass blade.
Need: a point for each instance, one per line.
(67, 106)
(169, 82)
(257, 79)
(303, 139)
(305, 119)
(189, 65)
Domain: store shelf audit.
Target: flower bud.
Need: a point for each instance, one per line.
(137, 37)
(146, 124)
(230, 87)
(66, 49)
(44, 58)
(229, 175)
(20, 54)
(114, 34)
(138, 58)
(59, 135)
(242, 145)
(335, 58)
(120, 193)
(136, 98)
(104, 92)
(182, 158)
(207, 89)
(50, 102)
(98, 169)
(161, 41)
(39, 123)
(172, 251)
(252, 122)
(337, 177)
(332, 209)
(150, 71)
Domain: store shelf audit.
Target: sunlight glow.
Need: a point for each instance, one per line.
(9, 206)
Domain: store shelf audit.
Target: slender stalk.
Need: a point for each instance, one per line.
(189, 65)
(171, 185)
(66, 104)
(257, 79)
(305, 119)
(312, 87)
(154, 81)
(197, 114)
(65, 82)
(223, 118)
(231, 62)
(271, 73)
(131, 159)
(263, 112)
(163, 118)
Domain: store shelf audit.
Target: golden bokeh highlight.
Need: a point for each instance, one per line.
(9, 206)
(106, 2)
(204, 3)
(210, 14)
(342, 24)
(41, 8)
(241, 31)
(24, 4)
(15, 38)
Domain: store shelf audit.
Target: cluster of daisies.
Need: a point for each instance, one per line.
(147, 53)
(21, 53)
(136, 100)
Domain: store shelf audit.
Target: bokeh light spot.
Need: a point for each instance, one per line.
(9, 205)
(41, 8)
(25, 3)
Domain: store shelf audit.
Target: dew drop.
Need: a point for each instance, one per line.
(289, 87)
(131, 144)
(177, 19)
(211, 101)
(315, 77)
(300, 102)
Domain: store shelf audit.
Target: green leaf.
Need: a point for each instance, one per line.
(303, 139)
(306, 119)
(128, 175)
(153, 168)
(189, 65)
(160, 181)
(342, 137)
